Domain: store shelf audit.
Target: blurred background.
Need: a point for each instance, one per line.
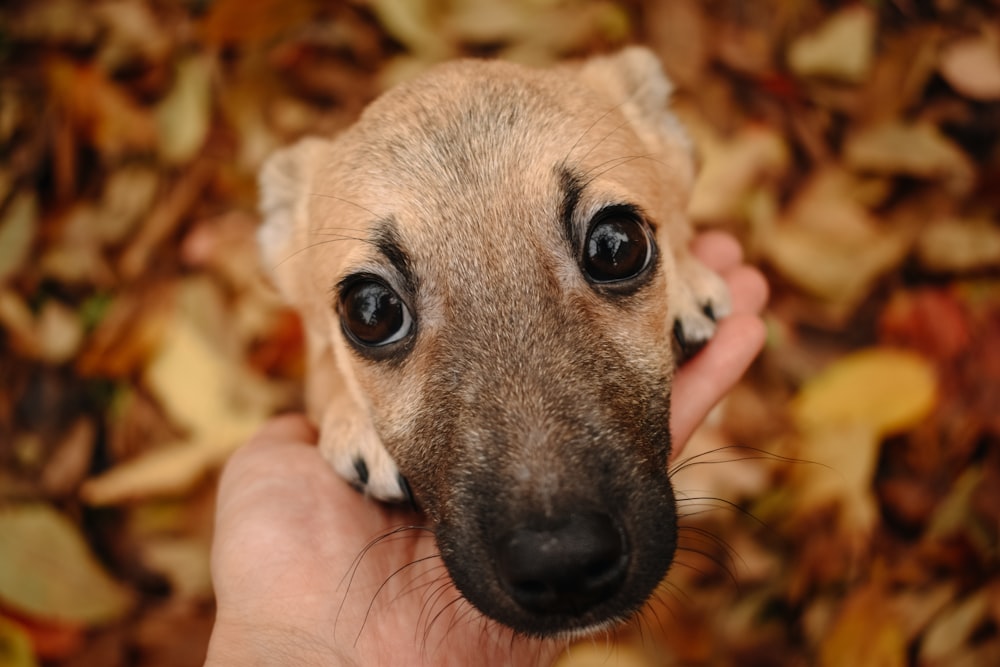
(842, 507)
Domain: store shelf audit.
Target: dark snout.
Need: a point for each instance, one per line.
(562, 565)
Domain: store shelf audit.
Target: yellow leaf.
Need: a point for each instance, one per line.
(205, 391)
(865, 634)
(15, 646)
(47, 570)
(184, 116)
(884, 389)
(840, 49)
(589, 653)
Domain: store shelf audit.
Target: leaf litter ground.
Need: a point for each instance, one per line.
(841, 507)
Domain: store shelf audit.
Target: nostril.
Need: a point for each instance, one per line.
(568, 565)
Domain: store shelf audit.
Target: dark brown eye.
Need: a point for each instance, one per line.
(372, 314)
(618, 247)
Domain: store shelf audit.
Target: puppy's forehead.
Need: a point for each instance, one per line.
(478, 141)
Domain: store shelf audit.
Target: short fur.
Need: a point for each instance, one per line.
(526, 392)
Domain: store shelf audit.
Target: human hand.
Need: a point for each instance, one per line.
(309, 572)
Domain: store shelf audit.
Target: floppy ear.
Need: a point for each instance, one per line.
(285, 182)
(634, 80)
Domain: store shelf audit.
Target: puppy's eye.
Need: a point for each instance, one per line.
(372, 314)
(618, 247)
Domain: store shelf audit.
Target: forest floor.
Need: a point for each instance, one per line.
(851, 511)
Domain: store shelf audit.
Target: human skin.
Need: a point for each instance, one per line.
(301, 578)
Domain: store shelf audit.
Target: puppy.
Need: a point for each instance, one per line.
(492, 269)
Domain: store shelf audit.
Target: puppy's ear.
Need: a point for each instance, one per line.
(285, 182)
(634, 80)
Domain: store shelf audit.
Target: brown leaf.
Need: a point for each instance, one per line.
(47, 570)
(913, 149)
(109, 119)
(842, 48)
(972, 67)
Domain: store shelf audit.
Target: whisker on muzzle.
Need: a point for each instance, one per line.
(388, 537)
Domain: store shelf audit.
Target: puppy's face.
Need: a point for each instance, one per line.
(485, 267)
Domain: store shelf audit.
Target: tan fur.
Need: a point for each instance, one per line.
(520, 374)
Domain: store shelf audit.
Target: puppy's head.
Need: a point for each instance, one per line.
(485, 261)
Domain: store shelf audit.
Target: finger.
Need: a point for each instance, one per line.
(718, 250)
(706, 378)
(747, 288)
(285, 428)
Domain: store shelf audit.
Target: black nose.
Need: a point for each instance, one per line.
(566, 565)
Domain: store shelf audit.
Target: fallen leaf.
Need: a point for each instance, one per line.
(15, 646)
(972, 67)
(17, 233)
(70, 461)
(914, 149)
(947, 635)
(839, 463)
(866, 632)
(185, 563)
(103, 113)
(841, 48)
(884, 389)
(931, 321)
(58, 331)
(732, 168)
(203, 391)
(129, 194)
(589, 653)
(184, 116)
(960, 246)
(47, 570)
(827, 242)
(50, 641)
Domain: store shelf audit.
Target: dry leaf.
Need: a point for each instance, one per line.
(960, 245)
(17, 233)
(129, 194)
(884, 389)
(841, 48)
(866, 633)
(183, 117)
(590, 653)
(948, 634)
(102, 112)
(58, 332)
(972, 67)
(829, 244)
(732, 168)
(839, 463)
(185, 563)
(843, 414)
(48, 572)
(15, 646)
(912, 149)
(200, 388)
